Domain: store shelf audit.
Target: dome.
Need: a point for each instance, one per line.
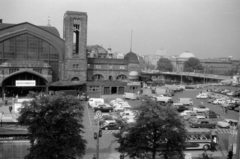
(133, 75)
(186, 55)
(131, 57)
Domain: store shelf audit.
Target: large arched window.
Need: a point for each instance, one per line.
(121, 77)
(29, 47)
(97, 77)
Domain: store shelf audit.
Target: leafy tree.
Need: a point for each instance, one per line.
(164, 65)
(158, 132)
(55, 126)
(192, 64)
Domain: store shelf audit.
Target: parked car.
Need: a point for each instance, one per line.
(131, 96)
(219, 101)
(201, 96)
(233, 106)
(93, 102)
(185, 101)
(210, 100)
(211, 114)
(181, 108)
(203, 124)
(226, 123)
(200, 109)
(236, 109)
(103, 108)
(110, 126)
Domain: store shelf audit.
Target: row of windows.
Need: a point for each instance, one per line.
(121, 67)
(27, 47)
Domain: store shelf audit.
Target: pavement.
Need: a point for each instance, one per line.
(108, 152)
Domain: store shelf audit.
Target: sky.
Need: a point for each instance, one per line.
(206, 28)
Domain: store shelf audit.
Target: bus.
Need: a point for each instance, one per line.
(201, 139)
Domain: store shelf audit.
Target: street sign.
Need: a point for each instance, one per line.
(98, 114)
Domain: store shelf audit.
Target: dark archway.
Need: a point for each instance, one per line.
(11, 88)
(97, 77)
(75, 79)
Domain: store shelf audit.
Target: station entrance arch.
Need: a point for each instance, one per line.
(21, 83)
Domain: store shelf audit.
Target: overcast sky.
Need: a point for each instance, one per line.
(207, 28)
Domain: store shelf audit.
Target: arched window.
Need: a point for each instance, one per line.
(29, 47)
(75, 79)
(121, 77)
(97, 77)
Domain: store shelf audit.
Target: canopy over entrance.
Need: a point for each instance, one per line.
(67, 83)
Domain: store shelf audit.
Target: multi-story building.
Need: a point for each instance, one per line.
(37, 58)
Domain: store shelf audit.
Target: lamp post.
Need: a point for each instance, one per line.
(238, 139)
(1, 117)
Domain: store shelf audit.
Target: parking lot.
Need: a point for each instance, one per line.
(108, 141)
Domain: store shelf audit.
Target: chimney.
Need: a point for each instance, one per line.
(0, 20)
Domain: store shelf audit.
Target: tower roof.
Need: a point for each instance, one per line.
(131, 57)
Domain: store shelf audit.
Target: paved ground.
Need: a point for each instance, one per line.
(107, 141)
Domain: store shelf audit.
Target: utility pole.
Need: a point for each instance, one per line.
(97, 148)
(238, 139)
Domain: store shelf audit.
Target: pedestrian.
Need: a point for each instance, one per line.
(6, 102)
(212, 146)
(226, 110)
(10, 109)
(230, 154)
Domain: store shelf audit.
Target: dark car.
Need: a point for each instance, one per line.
(111, 126)
(211, 114)
(236, 109)
(181, 108)
(103, 108)
(232, 106)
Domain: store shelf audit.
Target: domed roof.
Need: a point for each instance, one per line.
(131, 57)
(186, 55)
(133, 75)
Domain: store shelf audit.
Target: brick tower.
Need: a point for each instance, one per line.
(75, 36)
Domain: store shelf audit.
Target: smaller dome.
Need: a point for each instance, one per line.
(186, 55)
(133, 75)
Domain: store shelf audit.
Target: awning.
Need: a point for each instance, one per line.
(67, 83)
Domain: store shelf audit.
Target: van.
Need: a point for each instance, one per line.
(185, 101)
(94, 102)
(163, 99)
(131, 96)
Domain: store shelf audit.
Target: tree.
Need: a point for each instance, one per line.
(55, 127)
(192, 64)
(158, 132)
(164, 65)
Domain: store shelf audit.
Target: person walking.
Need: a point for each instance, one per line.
(10, 109)
(226, 110)
(230, 154)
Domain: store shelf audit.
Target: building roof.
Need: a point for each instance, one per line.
(106, 83)
(49, 29)
(98, 48)
(107, 61)
(186, 55)
(66, 83)
(131, 57)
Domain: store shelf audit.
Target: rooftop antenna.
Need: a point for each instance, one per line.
(48, 22)
(131, 42)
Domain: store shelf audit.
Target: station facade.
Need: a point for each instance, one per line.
(36, 58)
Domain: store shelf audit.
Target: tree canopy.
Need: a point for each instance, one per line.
(158, 132)
(192, 64)
(164, 65)
(55, 127)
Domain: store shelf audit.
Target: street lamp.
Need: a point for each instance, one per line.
(1, 117)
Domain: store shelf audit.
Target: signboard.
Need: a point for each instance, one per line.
(187, 156)
(98, 114)
(25, 83)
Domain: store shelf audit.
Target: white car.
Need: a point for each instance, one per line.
(219, 101)
(186, 112)
(118, 107)
(226, 123)
(200, 109)
(201, 96)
